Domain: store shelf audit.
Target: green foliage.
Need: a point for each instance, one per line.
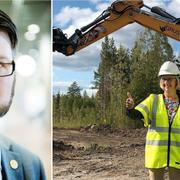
(120, 70)
(148, 53)
(73, 109)
(103, 78)
(74, 90)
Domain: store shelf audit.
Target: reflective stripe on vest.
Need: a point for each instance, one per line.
(161, 143)
(154, 109)
(164, 129)
(146, 111)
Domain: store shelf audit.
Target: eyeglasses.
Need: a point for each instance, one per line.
(7, 69)
(169, 79)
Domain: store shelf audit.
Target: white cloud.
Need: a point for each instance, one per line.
(151, 3)
(69, 31)
(102, 6)
(90, 92)
(68, 14)
(78, 17)
(85, 60)
(95, 1)
(126, 35)
(173, 8)
(62, 84)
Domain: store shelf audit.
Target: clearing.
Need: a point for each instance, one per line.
(97, 152)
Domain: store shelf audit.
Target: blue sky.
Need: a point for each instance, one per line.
(74, 14)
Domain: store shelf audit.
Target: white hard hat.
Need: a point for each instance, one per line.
(169, 68)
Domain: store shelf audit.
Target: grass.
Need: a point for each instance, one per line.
(72, 124)
(76, 124)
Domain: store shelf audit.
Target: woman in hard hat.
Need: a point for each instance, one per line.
(161, 114)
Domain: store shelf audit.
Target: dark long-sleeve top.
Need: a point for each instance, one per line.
(134, 114)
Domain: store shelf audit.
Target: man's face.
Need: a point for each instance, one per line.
(6, 83)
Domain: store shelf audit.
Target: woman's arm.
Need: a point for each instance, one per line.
(134, 114)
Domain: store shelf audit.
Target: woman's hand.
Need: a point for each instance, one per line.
(129, 101)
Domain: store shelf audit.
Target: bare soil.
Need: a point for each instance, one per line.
(94, 153)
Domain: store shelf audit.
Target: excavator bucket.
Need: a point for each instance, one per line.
(60, 41)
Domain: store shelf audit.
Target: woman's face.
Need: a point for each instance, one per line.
(168, 83)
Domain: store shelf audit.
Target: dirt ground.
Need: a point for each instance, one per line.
(95, 153)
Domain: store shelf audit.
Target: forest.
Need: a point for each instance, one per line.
(120, 70)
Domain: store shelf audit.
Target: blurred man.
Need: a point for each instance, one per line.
(16, 162)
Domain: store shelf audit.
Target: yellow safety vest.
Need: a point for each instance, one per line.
(162, 139)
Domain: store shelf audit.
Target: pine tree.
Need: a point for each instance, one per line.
(150, 51)
(103, 77)
(56, 107)
(120, 81)
(74, 90)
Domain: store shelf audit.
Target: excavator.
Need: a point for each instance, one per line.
(118, 15)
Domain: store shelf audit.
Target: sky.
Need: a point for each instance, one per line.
(69, 15)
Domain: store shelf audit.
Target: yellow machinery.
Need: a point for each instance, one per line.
(118, 15)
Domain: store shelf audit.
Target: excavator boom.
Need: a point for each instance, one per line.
(118, 15)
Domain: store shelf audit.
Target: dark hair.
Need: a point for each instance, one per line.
(8, 26)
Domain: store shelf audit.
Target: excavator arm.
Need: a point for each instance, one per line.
(118, 15)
